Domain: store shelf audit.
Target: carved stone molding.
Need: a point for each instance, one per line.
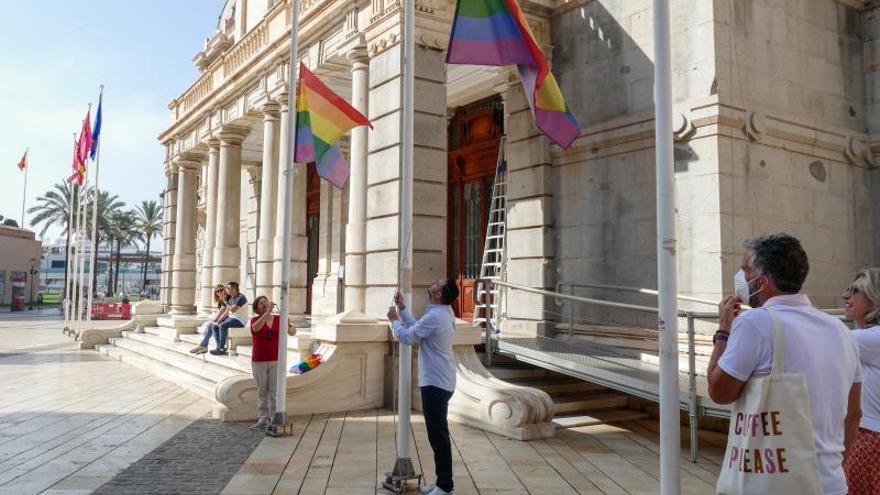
(755, 126)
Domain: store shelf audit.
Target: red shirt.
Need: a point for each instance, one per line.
(266, 340)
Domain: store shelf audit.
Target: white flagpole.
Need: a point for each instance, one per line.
(24, 193)
(280, 418)
(667, 283)
(403, 467)
(67, 268)
(94, 246)
(80, 267)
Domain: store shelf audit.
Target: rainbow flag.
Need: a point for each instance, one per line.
(495, 32)
(322, 118)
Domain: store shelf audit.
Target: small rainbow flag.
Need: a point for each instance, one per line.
(322, 118)
(495, 32)
(310, 363)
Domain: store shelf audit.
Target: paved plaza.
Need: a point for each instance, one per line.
(73, 423)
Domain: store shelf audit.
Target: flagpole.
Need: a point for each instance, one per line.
(280, 418)
(24, 193)
(403, 466)
(69, 263)
(667, 283)
(80, 267)
(94, 250)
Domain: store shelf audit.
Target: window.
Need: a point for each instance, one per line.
(57, 263)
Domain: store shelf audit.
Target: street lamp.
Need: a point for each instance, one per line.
(33, 272)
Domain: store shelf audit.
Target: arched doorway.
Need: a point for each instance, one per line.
(474, 135)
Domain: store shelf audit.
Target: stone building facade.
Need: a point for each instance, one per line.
(776, 129)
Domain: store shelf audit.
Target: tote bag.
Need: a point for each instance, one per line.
(770, 447)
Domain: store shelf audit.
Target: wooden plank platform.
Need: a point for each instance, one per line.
(349, 454)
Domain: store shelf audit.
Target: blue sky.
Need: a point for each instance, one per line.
(53, 56)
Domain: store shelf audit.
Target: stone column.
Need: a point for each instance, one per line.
(356, 228)
(269, 203)
(227, 248)
(183, 294)
(169, 219)
(297, 285)
(206, 301)
(250, 200)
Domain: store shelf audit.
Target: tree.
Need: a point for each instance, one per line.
(149, 221)
(107, 205)
(123, 231)
(53, 208)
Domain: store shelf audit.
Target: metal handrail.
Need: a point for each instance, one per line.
(639, 290)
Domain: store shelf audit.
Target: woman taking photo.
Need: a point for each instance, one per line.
(862, 306)
(264, 362)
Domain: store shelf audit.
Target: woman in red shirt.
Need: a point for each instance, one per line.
(264, 362)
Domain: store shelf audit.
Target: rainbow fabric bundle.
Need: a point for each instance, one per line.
(309, 364)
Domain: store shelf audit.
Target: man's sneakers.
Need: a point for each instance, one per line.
(436, 490)
(261, 424)
(219, 352)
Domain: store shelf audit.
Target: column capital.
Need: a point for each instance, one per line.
(233, 134)
(213, 143)
(187, 162)
(282, 101)
(358, 56)
(270, 110)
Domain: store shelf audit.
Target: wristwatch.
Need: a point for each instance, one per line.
(720, 335)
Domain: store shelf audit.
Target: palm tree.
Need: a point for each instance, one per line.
(149, 221)
(122, 232)
(54, 208)
(107, 205)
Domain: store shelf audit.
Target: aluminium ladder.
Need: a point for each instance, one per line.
(492, 266)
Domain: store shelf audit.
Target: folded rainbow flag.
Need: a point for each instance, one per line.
(495, 32)
(322, 118)
(308, 364)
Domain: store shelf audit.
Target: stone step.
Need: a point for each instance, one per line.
(582, 404)
(565, 388)
(183, 347)
(194, 383)
(509, 372)
(598, 417)
(184, 362)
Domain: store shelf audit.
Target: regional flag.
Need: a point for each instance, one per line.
(22, 164)
(322, 118)
(495, 32)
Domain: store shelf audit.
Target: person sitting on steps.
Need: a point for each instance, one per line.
(232, 317)
(220, 302)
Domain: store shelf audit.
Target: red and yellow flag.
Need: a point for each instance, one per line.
(22, 164)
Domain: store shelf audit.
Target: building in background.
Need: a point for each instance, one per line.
(19, 265)
(131, 265)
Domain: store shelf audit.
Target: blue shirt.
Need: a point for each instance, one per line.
(434, 333)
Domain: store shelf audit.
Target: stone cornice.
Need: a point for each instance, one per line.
(713, 118)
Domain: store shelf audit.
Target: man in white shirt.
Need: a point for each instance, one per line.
(816, 345)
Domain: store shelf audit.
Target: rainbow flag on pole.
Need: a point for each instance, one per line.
(322, 118)
(495, 32)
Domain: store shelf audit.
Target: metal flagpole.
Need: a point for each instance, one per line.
(280, 419)
(667, 283)
(94, 245)
(81, 263)
(403, 466)
(69, 264)
(24, 193)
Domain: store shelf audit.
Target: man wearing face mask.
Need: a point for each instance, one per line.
(815, 344)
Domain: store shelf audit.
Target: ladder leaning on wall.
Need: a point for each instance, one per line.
(492, 267)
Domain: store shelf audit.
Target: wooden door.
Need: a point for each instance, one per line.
(313, 221)
(474, 136)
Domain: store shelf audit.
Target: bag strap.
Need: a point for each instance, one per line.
(778, 365)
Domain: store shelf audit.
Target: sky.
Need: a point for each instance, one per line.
(54, 55)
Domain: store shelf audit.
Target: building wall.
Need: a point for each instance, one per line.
(18, 248)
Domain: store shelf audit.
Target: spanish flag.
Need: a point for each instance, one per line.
(22, 164)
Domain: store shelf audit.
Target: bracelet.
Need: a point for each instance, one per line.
(720, 336)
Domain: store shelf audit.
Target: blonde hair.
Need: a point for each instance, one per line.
(870, 285)
(216, 288)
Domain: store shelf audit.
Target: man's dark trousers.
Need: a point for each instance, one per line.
(435, 404)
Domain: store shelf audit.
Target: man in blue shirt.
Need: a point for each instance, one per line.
(434, 333)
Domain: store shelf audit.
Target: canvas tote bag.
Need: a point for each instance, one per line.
(770, 446)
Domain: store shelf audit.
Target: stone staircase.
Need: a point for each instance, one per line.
(575, 402)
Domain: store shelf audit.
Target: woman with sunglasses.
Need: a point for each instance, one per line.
(862, 306)
(220, 302)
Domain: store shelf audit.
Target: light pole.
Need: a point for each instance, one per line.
(33, 272)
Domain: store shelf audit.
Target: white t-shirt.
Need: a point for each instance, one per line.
(819, 346)
(869, 354)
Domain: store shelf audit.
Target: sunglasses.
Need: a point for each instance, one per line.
(852, 290)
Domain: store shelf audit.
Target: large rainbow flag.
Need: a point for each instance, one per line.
(322, 118)
(495, 32)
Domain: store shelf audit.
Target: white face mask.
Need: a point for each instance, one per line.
(741, 286)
